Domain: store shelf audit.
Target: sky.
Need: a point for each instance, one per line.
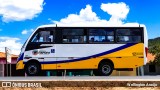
(19, 18)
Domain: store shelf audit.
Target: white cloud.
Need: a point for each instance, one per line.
(27, 31)
(118, 12)
(85, 16)
(19, 10)
(24, 32)
(11, 43)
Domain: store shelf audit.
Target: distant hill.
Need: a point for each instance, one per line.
(153, 42)
(154, 45)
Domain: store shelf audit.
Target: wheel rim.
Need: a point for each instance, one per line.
(106, 69)
(32, 69)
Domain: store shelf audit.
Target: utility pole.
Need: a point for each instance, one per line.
(8, 59)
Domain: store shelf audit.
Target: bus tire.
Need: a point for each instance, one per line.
(32, 69)
(105, 68)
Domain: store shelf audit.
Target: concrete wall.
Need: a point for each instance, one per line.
(124, 73)
(1, 70)
(147, 71)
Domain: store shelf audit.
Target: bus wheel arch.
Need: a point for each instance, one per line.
(33, 67)
(105, 67)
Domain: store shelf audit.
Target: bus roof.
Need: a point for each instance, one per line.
(124, 25)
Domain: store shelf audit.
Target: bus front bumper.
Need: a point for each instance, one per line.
(20, 65)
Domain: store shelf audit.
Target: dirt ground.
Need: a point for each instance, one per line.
(83, 85)
(86, 88)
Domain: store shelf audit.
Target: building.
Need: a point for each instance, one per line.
(151, 69)
(11, 66)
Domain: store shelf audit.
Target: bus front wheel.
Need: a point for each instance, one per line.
(105, 69)
(32, 69)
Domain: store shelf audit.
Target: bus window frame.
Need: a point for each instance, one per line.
(58, 35)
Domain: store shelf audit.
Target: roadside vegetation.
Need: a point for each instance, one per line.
(154, 49)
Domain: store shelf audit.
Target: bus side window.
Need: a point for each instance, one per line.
(45, 36)
(128, 35)
(74, 36)
(99, 35)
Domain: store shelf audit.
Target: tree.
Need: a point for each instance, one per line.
(157, 59)
(154, 48)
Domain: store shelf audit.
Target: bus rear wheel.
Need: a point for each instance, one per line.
(105, 69)
(32, 69)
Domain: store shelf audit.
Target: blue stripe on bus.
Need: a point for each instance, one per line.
(93, 56)
(20, 57)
